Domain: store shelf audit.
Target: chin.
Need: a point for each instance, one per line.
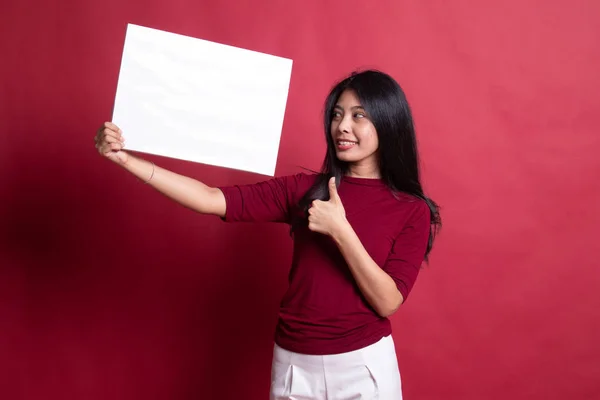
(345, 157)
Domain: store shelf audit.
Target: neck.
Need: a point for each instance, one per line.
(364, 171)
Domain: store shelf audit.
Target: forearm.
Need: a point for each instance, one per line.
(376, 285)
(186, 191)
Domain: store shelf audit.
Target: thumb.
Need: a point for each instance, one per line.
(333, 194)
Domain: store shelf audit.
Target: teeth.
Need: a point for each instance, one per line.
(344, 143)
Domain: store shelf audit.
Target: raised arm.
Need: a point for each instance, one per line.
(186, 191)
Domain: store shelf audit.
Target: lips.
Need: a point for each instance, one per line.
(345, 144)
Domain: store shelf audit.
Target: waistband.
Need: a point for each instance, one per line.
(384, 348)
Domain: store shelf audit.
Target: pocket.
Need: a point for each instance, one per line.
(386, 380)
(374, 393)
(281, 378)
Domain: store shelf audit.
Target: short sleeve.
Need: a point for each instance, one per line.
(408, 252)
(268, 201)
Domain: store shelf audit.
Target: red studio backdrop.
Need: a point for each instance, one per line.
(108, 290)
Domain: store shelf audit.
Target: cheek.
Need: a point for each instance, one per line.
(369, 138)
(333, 128)
(375, 139)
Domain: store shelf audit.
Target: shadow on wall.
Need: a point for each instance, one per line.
(128, 295)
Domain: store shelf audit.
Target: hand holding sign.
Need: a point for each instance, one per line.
(110, 143)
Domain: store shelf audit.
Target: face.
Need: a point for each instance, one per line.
(353, 134)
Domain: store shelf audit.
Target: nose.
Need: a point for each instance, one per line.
(345, 124)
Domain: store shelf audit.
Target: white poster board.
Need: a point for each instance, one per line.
(196, 100)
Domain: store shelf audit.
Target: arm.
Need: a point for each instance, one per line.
(188, 192)
(376, 285)
(385, 288)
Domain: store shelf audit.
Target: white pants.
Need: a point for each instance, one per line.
(368, 373)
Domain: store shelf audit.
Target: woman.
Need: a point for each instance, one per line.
(361, 229)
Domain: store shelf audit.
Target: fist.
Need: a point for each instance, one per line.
(110, 143)
(327, 217)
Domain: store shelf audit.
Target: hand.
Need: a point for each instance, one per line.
(110, 143)
(327, 217)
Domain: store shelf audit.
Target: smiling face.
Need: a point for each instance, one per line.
(354, 135)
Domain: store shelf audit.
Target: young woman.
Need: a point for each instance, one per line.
(361, 227)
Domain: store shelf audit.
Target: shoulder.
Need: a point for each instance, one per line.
(302, 179)
(292, 186)
(285, 185)
(295, 182)
(416, 211)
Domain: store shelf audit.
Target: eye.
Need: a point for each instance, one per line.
(359, 115)
(336, 114)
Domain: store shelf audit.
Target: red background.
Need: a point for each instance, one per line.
(110, 291)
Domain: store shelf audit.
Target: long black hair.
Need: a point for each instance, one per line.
(387, 107)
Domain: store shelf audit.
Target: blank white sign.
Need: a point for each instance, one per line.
(195, 100)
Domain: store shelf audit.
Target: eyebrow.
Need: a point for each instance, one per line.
(352, 108)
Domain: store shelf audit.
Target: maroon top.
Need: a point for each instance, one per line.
(323, 310)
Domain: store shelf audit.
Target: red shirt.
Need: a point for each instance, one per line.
(323, 310)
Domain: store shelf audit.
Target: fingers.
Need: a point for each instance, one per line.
(109, 143)
(312, 223)
(113, 146)
(112, 126)
(107, 131)
(109, 148)
(313, 205)
(109, 138)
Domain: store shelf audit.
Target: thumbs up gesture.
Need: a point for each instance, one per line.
(327, 217)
